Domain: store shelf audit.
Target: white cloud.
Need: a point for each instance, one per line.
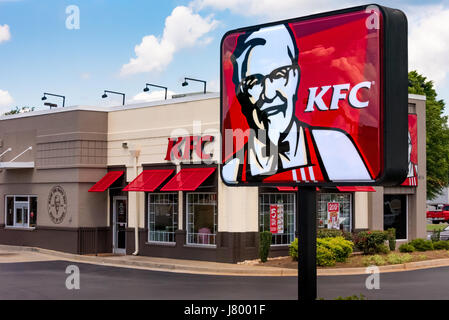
(429, 42)
(273, 9)
(6, 101)
(183, 28)
(5, 34)
(151, 96)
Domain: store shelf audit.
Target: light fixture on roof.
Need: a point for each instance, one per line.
(185, 83)
(54, 95)
(146, 89)
(114, 92)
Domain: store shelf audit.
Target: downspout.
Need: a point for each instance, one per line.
(135, 154)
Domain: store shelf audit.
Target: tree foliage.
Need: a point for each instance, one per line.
(18, 110)
(437, 134)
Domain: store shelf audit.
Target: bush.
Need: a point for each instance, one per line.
(340, 247)
(328, 233)
(435, 235)
(293, 250)
(264, 245)
(383, 248)
(441, 245)
(406, 247)
(369, 242)
(391, 233)
(325, 257)
(422, 245)
(375, 260)
(395, 258)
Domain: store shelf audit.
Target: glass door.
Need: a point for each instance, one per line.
(120, 223)
(21, 214)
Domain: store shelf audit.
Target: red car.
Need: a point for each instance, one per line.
(441, 215)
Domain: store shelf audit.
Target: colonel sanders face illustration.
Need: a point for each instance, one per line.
(266, 74)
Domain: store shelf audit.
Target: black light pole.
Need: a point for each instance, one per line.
(105, 95)
(155, 85)
(185, 83)
(306, 226)
(54, 95)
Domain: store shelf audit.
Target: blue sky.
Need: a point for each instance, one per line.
(39, 54)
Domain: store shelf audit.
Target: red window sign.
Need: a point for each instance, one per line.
(412, 172)
(273, 218)
(316, 100)
(333, 215)
(183, 148)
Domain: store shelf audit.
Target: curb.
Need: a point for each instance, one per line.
(177, 267)
(410, 266)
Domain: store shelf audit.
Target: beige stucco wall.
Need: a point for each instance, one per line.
(147, 129)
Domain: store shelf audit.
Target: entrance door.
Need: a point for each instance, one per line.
(120, 223)
(21, 214)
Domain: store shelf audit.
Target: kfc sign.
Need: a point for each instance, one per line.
(187, 148)
(316, 100)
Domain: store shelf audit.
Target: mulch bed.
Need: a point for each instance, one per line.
(355, 261)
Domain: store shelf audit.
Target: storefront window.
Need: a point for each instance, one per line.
(395, 214)
(201, 218)
(342, 211)
(162, 217)
(281, 221)
(21, 211)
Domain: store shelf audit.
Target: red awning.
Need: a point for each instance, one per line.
(188, 179)
(148, 180)
(106, 181)
(356, 189)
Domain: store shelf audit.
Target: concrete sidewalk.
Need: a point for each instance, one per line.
(10, 254)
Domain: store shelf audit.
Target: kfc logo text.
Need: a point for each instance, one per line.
(339, 92)
(182, 148)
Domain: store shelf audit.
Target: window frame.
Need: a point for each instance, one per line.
(14, 196)
(260, 216)
(187, 222)
(406, 214)
(149, 217)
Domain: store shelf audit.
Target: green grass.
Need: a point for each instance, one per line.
(433, 227)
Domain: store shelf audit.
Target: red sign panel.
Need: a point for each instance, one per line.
(412, 173)
(310, 101)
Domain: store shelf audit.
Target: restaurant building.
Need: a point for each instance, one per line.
(144, 179)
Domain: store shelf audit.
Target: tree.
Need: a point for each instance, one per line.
(437, 134)
(18, 110)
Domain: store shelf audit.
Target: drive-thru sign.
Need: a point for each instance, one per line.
(315, 101)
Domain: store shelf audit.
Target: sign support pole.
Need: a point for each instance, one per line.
(306, 226)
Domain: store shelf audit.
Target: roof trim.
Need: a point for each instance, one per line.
(417, 96)
(188, 98)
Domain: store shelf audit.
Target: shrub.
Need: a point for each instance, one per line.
(435, 235)
(264, 245)
(374, 260)
(422, 245)
(339, 247)
(391, 233)
(395, 258)
(347, 235)
(441, 245)
(293, 250)
(325, 257)
(370, 241)
(328, 233)
(383, 248)
(406, 247)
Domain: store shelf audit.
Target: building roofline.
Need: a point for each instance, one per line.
(187, 98)
(417, 96)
